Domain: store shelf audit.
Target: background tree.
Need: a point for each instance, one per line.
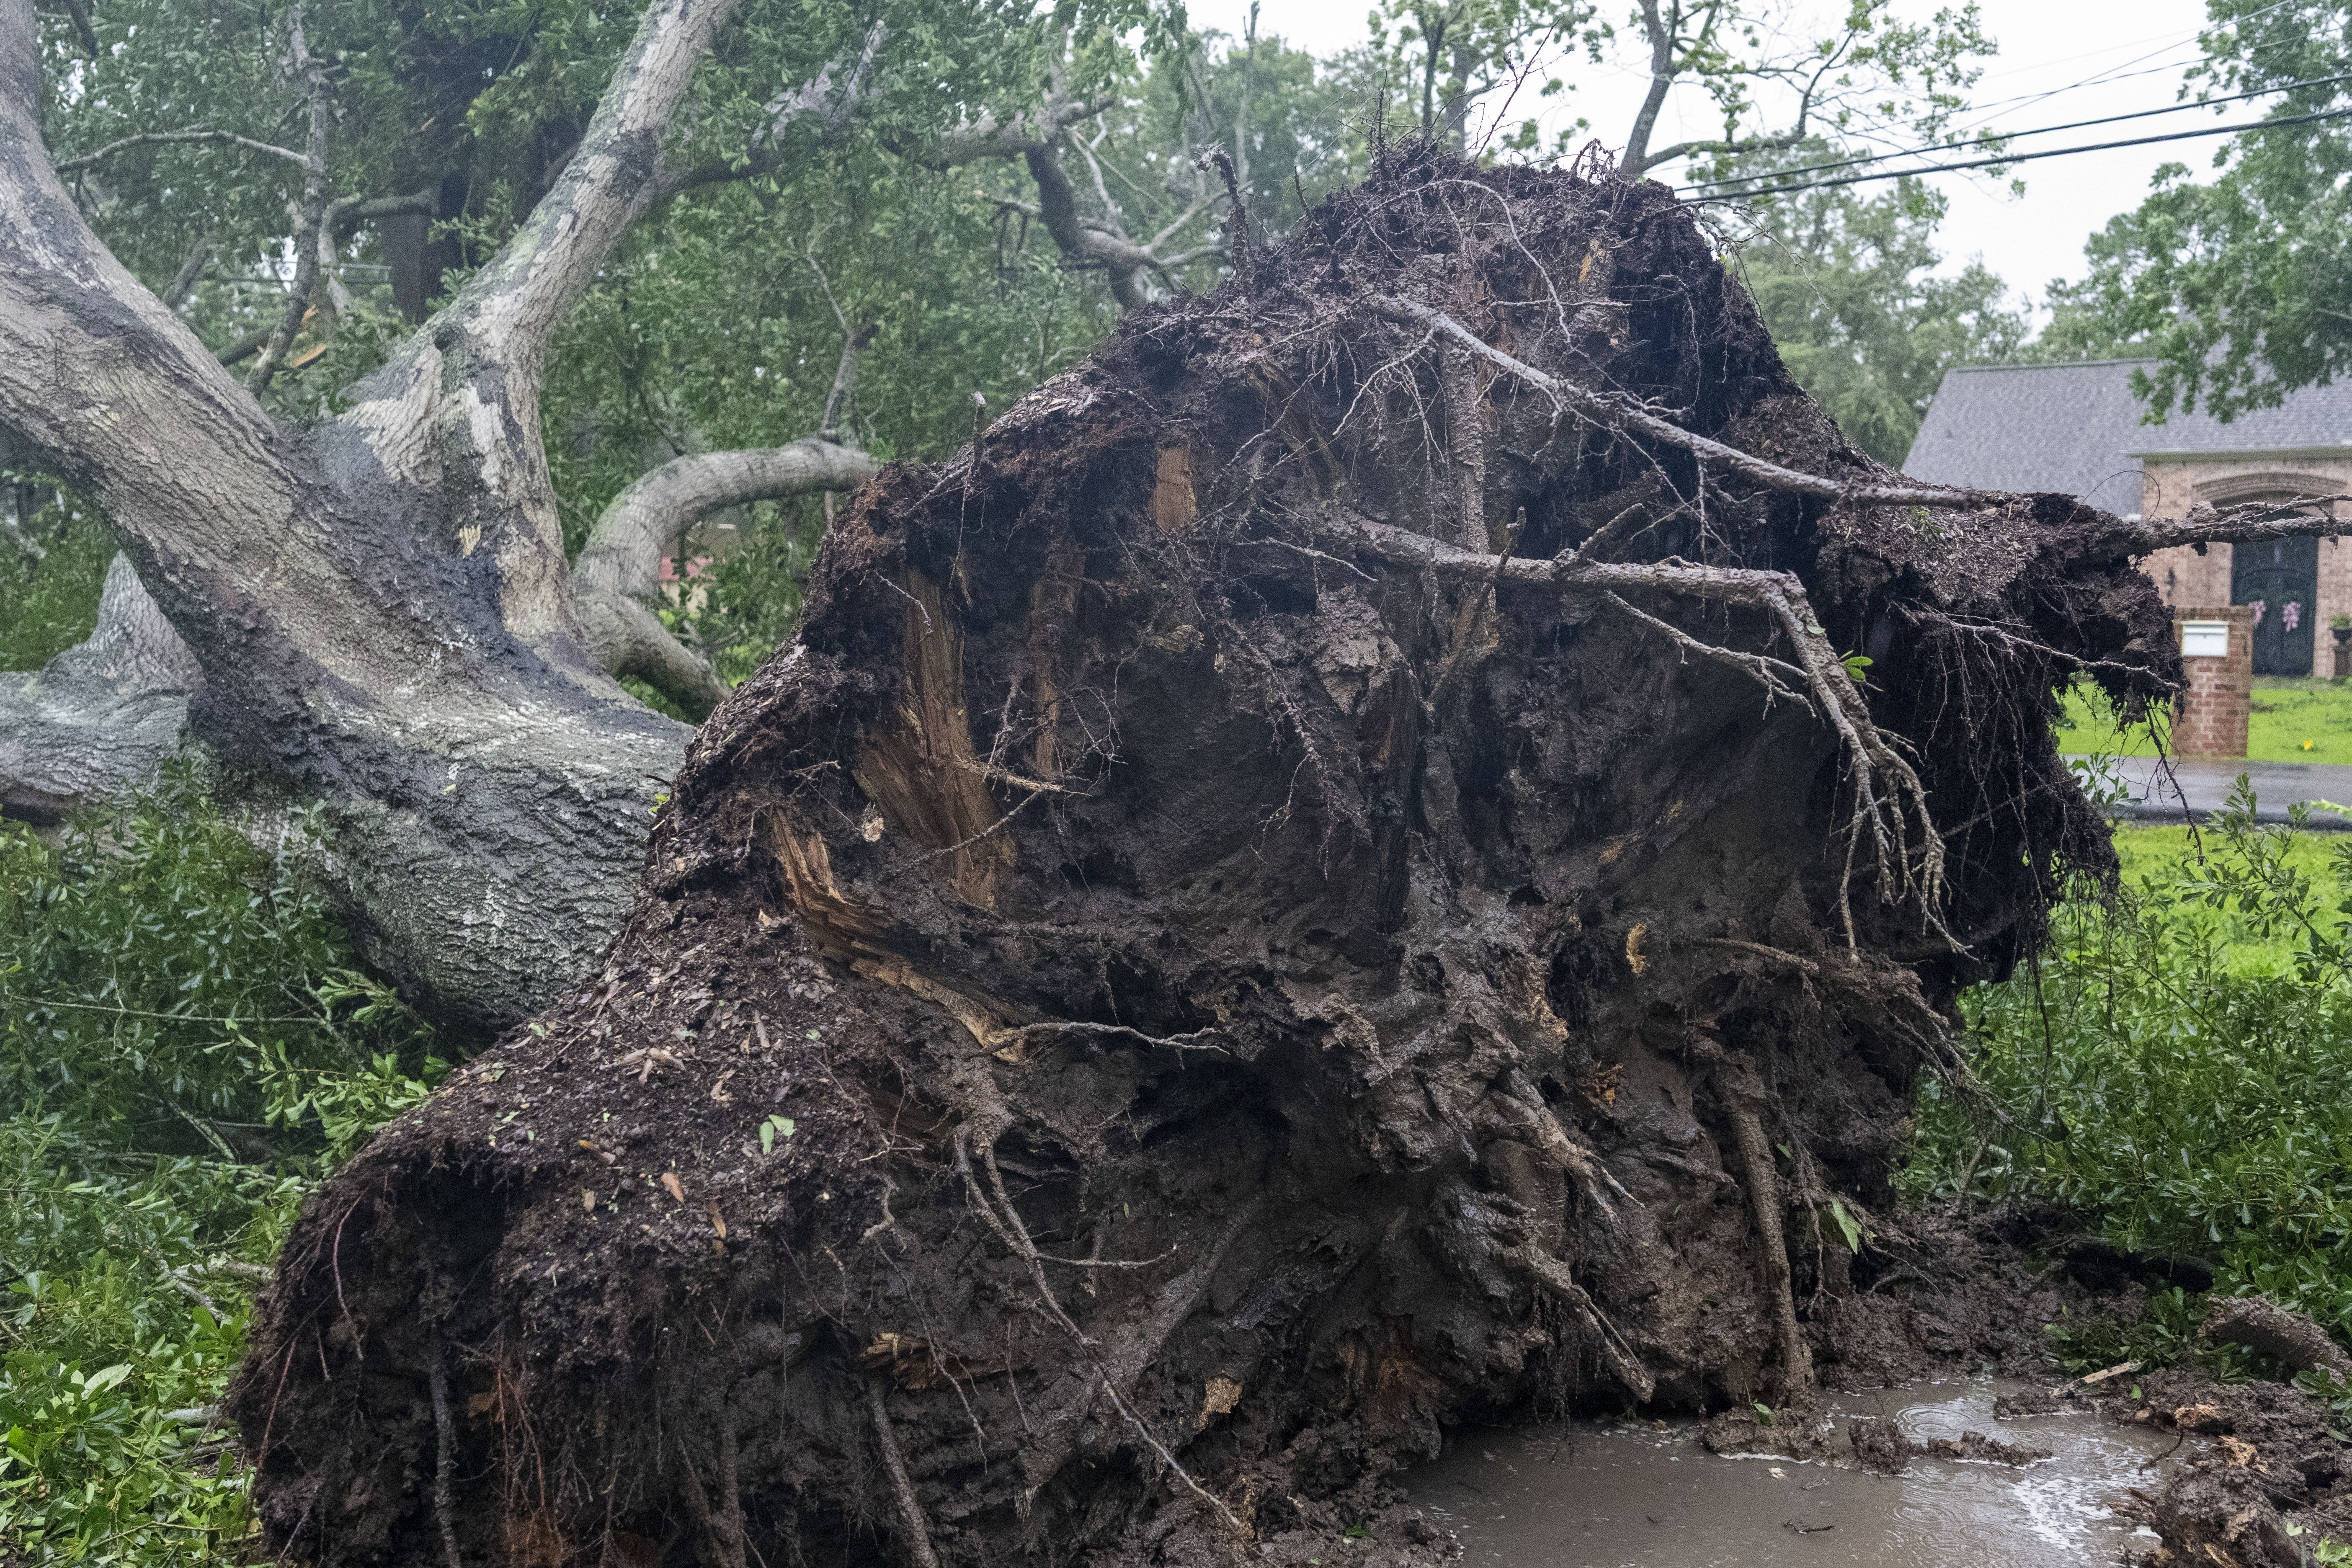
(2240, 285)
(1871, 76)
(1849, 284)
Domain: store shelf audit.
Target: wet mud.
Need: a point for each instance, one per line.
(1648, 1493)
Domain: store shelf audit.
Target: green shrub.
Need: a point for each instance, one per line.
(2178, 1069)
(186, 1045)
(48, 607)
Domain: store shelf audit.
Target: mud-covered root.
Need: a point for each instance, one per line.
(902, 1489)
(1745, 1102)
(2298, 1344)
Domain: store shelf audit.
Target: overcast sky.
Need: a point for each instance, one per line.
(2048, 50)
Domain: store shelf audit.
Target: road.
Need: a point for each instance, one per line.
(2162, 792)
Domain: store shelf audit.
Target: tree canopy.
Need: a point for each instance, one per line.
(2241, 284)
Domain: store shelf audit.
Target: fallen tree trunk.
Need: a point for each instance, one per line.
(1236, 937)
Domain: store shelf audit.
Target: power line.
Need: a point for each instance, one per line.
(2029, 157)
(2012, 135)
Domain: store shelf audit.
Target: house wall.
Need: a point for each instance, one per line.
(2170, 486)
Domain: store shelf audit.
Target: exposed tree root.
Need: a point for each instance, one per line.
(1239, 936)
(910, 1511)
(445, 1460)
(1744, 1102)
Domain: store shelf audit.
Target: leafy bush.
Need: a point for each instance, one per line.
(185, 1046)
(48, 606)
(2178, 1069)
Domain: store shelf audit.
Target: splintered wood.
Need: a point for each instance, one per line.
(920, 768)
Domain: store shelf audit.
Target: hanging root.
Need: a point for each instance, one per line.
(991, 1117)
(445, 1461)
(918, 1532)
(1890, 803)
(1617, 1353)
(1744, 1098)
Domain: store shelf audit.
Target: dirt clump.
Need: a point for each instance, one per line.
(1880, 1444)
(2028, 1402)
(1977, 1448)
(1794, 1431)
(2275, 1477)
(1327, 876)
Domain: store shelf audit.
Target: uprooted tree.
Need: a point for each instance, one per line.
(1330, 873)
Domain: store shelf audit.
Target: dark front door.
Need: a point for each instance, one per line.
(2280, 578)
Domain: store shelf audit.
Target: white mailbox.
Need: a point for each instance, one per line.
(2204, 639)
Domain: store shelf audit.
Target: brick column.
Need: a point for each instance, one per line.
(2210, 720)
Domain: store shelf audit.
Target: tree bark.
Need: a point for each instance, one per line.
(379, 604)
(101, 718)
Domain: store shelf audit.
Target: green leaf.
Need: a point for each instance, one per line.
(1847, 1224)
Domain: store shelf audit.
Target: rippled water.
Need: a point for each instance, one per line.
(1585, 1495)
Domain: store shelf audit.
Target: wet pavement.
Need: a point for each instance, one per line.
(1647, 1495)
(2161, 792)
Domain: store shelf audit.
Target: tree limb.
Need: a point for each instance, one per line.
(101, 717)
(2249, 523)
(314, 226)
(86, 160)
(817, 103)
(183, 281)
(621, 565)
(80, 11)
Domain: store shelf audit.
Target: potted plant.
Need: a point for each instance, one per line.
(2340, 623)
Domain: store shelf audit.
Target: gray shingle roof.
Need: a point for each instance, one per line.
(2075, 427)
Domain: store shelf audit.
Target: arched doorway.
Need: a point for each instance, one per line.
(2278, 577)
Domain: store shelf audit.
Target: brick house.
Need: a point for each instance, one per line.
(2075, 427)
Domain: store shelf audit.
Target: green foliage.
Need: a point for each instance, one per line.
(2240, 282)
(185, 1046)
(2161, 1077)
(1848, 285)
(50, 605)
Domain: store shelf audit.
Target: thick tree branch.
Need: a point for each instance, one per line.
(101, 717)
(621, 565)
(988, 137)
(1662, 69)
(2246, 524)
(457, 409)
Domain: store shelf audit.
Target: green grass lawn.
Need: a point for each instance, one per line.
(2157, 857)
(2293, 722)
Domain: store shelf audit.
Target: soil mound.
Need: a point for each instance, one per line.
(1325, 877)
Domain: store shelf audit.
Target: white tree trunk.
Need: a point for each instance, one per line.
(378, 606)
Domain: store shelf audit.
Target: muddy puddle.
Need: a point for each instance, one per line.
(1646, 1495)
